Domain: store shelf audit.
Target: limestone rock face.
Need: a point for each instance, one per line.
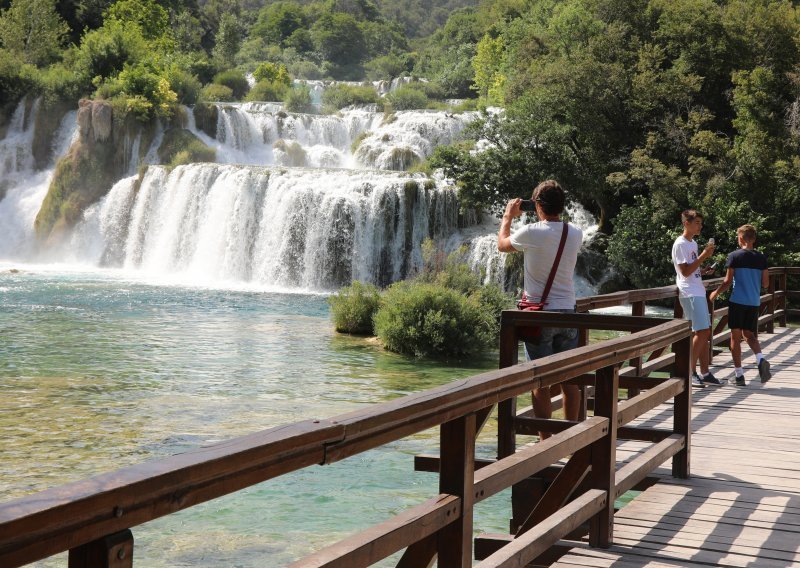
(101, 120)
(84, 118)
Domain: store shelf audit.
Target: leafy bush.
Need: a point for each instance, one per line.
(354, 308)
(429, 320)
(298, 99)
(266, 90)
(339, 96)
(407, 98)
(185, 85)
(305, 69)
(268, 71)
(235, 81)
(179, 146)
(214, 93)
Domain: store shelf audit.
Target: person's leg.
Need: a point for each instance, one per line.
(541, 398)
(736, 347)
(700, 349)
(752, 341)
(572, 401)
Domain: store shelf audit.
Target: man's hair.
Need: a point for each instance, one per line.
(747, 232)
(690, 215)
(550, 196)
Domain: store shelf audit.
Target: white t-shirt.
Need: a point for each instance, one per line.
(539, 242)
(684, 251)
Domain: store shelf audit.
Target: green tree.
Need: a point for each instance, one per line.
(338, 38)
(228, 39)
(33, 30)
(152, 19)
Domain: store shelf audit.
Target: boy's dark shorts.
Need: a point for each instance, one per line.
(743, 317)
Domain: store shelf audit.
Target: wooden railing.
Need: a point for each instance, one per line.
(92, 518)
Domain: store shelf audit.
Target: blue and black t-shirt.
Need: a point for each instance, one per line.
(747, 265)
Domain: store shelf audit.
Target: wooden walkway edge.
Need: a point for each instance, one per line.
(741, 506)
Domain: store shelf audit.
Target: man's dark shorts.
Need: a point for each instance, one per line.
(743, 317)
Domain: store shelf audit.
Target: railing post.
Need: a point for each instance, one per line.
(784, 299)
(637, 309)
(771, 304)
(507, 409)
(682, 410)
(112, 551)
(604, 455)
(583, 340)
(457, 477)
(710, 346)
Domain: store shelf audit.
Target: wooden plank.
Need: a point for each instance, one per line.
(384, 539)
(630, 409)
(531, 544)
(533, 458)
(457, 477)
(603, 455)
(113, 551)
(641, 466)
(560, 490)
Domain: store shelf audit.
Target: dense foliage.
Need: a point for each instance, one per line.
(150, 55)
(641, 109)
(445, 312)
(353, 308)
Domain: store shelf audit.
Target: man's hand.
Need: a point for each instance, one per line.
(513, 208)
(707, 252)
(504, 234)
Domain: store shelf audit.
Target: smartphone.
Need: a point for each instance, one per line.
(527, 205)
(711, 241)
(714, 265)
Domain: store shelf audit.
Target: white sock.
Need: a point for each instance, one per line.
(759, 356)
(739, 371)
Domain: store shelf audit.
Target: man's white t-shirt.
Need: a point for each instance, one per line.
(539, 241)
(684, 251)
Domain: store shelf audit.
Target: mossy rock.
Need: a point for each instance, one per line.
(82, 177)
(205, 118)
(179, 146)
(296, 153)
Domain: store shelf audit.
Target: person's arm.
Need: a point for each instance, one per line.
(504, 234)
(687, 269)
(724, 286)
(765, 278)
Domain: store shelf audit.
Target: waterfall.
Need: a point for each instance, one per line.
(287, 228)
(257, 133)
(22, 187)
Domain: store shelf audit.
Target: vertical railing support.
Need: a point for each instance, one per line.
(507, 409)
(604, 455)
(784, 298)
(637, 309)
(457, 477)
(771, 304)
(682, 412)
(112, 551)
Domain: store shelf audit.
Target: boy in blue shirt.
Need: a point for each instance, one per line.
(747, 271)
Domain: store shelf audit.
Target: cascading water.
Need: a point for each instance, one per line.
(22, 187)
(257, 133)
(288, 220)
(287, 228)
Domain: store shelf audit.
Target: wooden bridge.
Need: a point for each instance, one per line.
(730, 495)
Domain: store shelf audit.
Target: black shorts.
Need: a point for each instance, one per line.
(743, 317)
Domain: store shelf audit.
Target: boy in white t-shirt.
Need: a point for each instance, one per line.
(692, 293)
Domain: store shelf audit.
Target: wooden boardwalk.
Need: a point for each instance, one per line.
(742, 505)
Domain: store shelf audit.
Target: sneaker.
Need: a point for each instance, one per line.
(740, 381)
(763, 371)
(697, 382)
(710, 379)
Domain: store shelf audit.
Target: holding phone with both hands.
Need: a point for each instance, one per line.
(527, 205)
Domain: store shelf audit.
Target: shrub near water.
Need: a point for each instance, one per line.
(429, 320)
(354, 307)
